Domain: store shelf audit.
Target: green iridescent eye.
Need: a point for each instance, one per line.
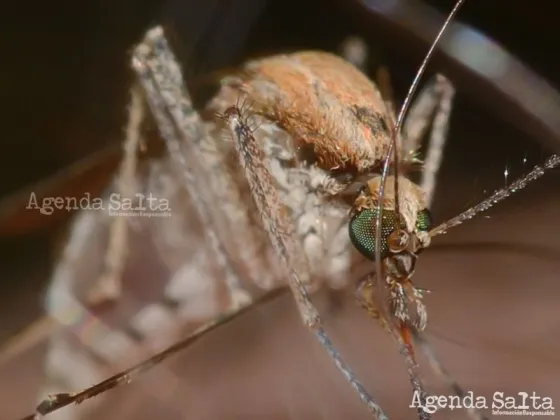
(424, 220)
(362, 231)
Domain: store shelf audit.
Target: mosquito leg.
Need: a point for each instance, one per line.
(418, 120)
(282, 237)
(438, 137)
(434, 100)
(55, 402)
(183, 131)
(108, 286)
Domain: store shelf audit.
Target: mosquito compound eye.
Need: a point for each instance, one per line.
(424, 220)
(362, 231)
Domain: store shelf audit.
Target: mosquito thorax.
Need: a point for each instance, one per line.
(405, 234)
(326, 102)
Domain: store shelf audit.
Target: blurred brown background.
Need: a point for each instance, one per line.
(493, 310)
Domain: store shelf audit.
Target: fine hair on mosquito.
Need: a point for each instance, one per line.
(354, 183)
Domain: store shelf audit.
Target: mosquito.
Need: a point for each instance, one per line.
(313, 146)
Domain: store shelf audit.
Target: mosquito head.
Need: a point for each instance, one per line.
(390, 222)
(404, 229)
(393, 238)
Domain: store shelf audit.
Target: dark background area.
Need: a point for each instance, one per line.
(64, 88)
(65, 78)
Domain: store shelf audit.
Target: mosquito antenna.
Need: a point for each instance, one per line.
(500, 195)
(392, 146)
